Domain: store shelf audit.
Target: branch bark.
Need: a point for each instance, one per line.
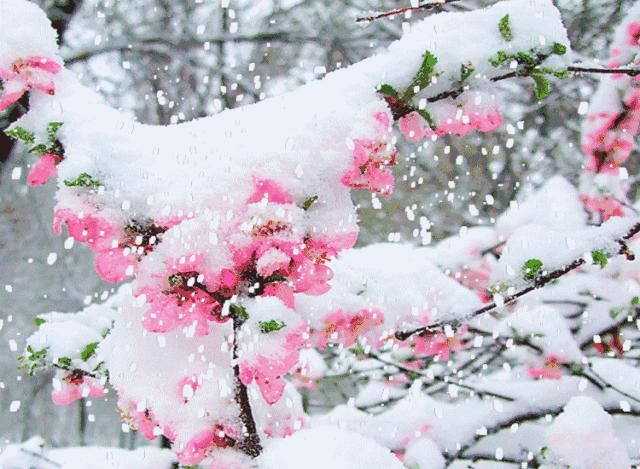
(429, 5)
(250, 445)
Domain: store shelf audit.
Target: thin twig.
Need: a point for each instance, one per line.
(408, 370)
(429, 5)
(576, 68)
(538, 283)
(40, 456)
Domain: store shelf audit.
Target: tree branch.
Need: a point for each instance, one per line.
(538, 283)
(429, 5)
(523, 418)
(191, 42)
(411, 371)
(250, 445)
(577, 68)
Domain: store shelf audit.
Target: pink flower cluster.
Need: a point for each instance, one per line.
(346, 328)
(118, 246)
(27, 73)
(612, 127)
(269, 253)
(189, 292)
(450, 118)
(372, 158)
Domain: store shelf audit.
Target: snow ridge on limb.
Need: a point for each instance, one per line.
(536, 276)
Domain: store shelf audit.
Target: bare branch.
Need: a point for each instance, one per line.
(429, 5)
(577, 68)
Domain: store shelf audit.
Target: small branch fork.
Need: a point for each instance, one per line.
(429, 5)
(250, 445)
(538, 283)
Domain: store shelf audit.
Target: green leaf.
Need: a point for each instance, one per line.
(576, 369)
(599, 258)
(273, 278)
(465, 72)
(64, 361)
(543, 452)
(525, 58)
(635, 301)
(388, 90)
(531, 269)
(83, 180)
(88, 351)
(39, 149)
(559, 49)
(505, 28)
(20, 133)
(272, 325)
(562, 74)
(615, 312)
(52, 130)
(428, 117)
(239, 312)
(38, 321)
(500, 58)
(308, 202)
(423, 77)
(541, 88)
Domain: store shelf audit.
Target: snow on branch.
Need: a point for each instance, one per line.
(537, 276)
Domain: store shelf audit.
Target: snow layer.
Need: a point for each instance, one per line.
(324, 447)
(583, 437)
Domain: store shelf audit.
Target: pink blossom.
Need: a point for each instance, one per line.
(412, 126)
(75, 386)
(204, 442)
(187, 386)
(268, 371)
(439, 344)
(551, 369)
(272, 261)
(25, 74)
(270, 190)
(346, 328)
(372, 158)
(143, 420)
(634, 33)
(90, 228)
(43, 169)
(282, 291)
(186, 294)
(607, 206)
(477, 278)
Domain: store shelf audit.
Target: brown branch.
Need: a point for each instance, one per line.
(623, 71)
(538, 283)
(76, 371)
(250, 445)
(384, 14)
